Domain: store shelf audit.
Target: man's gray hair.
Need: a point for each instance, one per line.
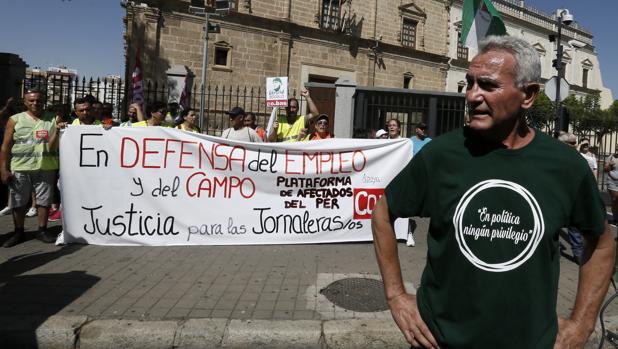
(527, 61)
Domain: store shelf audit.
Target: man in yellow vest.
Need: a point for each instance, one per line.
(29, 161)
(292, 127)
(157, 111)
(85, 113)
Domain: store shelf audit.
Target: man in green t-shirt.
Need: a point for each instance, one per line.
(497, 193)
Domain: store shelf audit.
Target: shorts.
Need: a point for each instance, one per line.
(23, 183)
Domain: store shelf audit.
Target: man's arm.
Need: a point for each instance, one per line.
(140, 113)
(594, 277)
(7, 145)
(402, 304)
(313, 110)
(5, 111)
(53, 141)
(273, 134)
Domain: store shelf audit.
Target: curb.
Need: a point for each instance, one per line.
(78, 332)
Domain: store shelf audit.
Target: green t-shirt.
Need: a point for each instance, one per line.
(492, 270)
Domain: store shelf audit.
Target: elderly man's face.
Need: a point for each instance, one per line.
(492, 95)
(34, 103)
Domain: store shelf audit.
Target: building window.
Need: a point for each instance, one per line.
(585, 78)
(460, 86)
(222, 56)
(219, 4)
(407, 80)
(331, 9)
(408, 33)
(462, 52)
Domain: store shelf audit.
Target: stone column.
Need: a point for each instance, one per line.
(344, 107)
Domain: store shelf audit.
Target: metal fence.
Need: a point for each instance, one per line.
(374, 106)
(601, 145)
(63, 90)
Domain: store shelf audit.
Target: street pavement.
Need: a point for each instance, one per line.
(86, 296)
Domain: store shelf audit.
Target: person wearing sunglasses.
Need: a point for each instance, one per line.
(156, 111)
(321, 129)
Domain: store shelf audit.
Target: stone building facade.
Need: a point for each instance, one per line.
(386, 43)
(583, 71)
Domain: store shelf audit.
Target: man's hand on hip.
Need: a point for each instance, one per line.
(405, 312)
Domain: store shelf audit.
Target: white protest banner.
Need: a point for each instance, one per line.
(277, 91)
(160, 186)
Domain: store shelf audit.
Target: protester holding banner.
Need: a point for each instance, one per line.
(134, 114)
(497, 196)
(394, 128)
(321, 129)
(84, 112)
(238, 131)
(189, 117)
(157, 111)
(28, 161)
(251, 121)
(292, 127)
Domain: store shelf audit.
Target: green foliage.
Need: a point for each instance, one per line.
(586, 115)
(542, 113)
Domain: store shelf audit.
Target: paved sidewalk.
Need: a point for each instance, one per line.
(206, 296)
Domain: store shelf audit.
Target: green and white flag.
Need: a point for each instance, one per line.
(480, 19)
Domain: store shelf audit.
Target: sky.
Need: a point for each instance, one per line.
(86, 35)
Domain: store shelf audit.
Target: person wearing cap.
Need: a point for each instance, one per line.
(292, 127)
(381, 134)
(321, 129)
(584, 150)
(238, 131)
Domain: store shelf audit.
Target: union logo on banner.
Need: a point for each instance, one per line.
(365, 200)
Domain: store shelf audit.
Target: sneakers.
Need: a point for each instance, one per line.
(55, 215)
(5, 211)
(31, 212)
(46, 236)
(410, 242)
(16, 238)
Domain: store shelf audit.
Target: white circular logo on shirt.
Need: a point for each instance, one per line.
(500, 225)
